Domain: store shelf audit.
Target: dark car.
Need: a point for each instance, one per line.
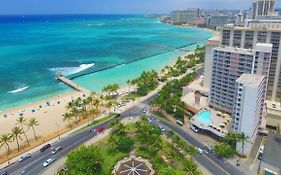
(117, 116)
(4, 173)
(44, 148)
(23, 158)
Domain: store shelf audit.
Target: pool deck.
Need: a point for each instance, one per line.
(220, 123)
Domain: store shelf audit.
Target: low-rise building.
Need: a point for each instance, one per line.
(271, 158)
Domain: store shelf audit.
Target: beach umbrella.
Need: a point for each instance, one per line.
(21, 114)
(40, 106)
(33, 110)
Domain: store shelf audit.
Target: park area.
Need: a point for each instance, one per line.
(168, 155)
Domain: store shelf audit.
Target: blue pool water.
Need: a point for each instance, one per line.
(205, 117)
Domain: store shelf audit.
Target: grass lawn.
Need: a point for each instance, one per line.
(111, 156)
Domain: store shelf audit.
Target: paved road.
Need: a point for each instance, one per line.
(210, 161)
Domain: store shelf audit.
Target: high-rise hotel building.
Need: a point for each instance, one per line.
(248, 37)
(262, 8)
(228, 64)
(249, 108)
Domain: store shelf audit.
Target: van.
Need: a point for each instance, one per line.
(179, 123)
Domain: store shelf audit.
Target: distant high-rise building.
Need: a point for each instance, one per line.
(248, 37)
(185, 16)
(249, 108)
(262, 8)
(218, 21)
(229, 64)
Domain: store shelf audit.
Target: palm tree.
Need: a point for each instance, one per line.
(76, 113)
(21, 121)
(16, 132)
(31, 124)
(5, 139)
(67, 116)
(243, 138)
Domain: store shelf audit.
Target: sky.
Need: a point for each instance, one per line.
(114, 6)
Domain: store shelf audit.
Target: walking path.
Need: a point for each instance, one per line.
(71, 84)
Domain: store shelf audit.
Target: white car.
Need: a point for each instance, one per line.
(162, 128)
(48, 162)
(199, 150)
(261, 149)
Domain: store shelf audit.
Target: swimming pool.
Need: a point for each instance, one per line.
(205, 117)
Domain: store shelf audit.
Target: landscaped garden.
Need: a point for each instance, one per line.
(169, 155)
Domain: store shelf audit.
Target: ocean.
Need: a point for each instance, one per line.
(93, 50)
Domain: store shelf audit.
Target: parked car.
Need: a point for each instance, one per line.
(261, 149)
(44, 148)
(4, 173)
(194, 128)
(23, 158)
(49, 161)
(56, 150)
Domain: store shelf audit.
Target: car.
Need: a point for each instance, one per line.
(144, 111)
(261, 149)
(194, 128)
(117, 115)
(56, 150)
(199, 150)
(49, 161)
(23, 158)
(208, 149)
(100, 129)
(44, 148)
(260, 156)
(162, 128)
(4, 173)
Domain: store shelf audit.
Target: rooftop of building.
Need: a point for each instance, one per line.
(272, 150)
(250, 79)
(235, 50)
(258, 28)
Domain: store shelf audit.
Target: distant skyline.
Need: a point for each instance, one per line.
(115, 6)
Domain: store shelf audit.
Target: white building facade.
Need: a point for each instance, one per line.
(249, 108)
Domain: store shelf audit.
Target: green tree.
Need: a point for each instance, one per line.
(84, 160)
(242, 138)
(6, 139)
(22, 122)
(16, 134)
(118, 127)
(32, 123)
(68, 116)
(224, 150)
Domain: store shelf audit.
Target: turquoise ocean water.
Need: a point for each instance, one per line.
(93, 50)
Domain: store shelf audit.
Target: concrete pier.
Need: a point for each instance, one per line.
(72, 84)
